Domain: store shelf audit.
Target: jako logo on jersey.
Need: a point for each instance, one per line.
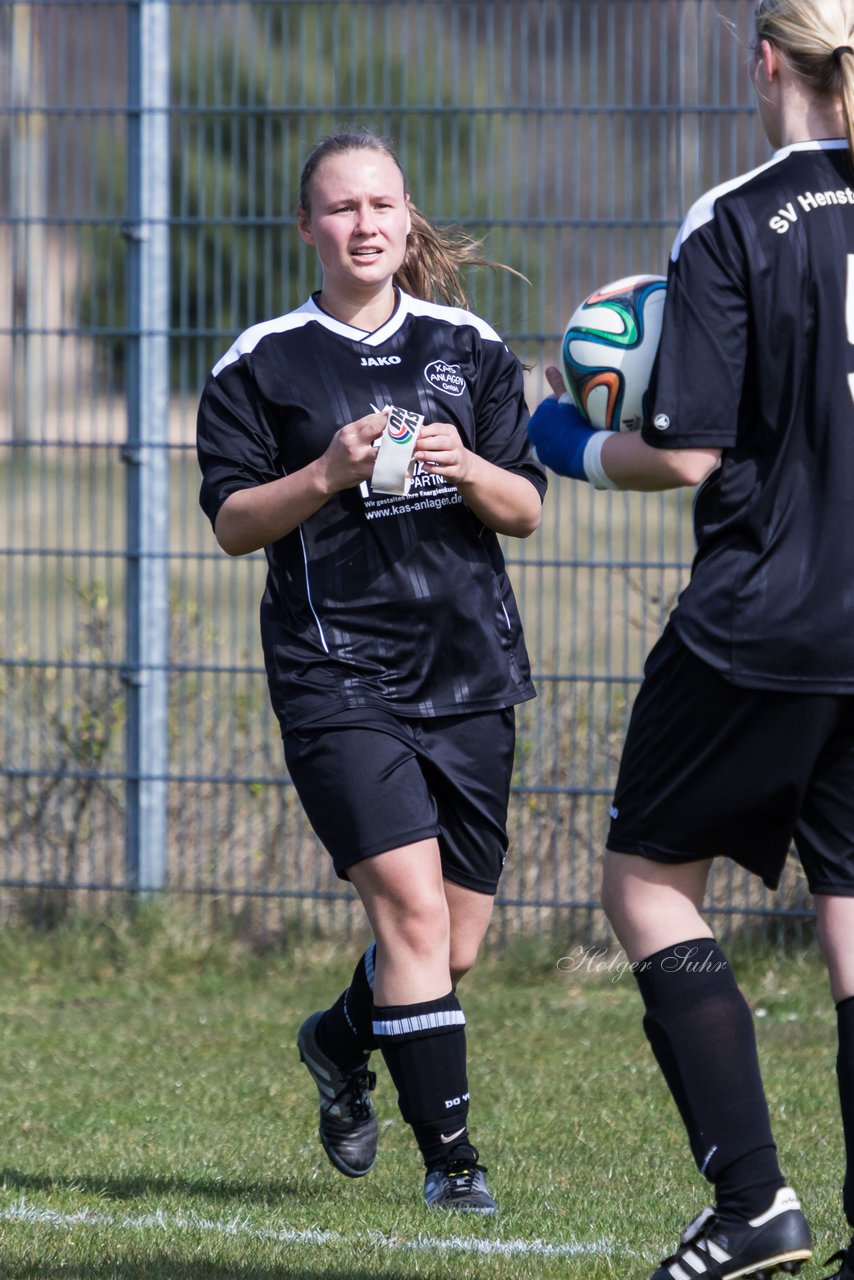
(661, 422)
(378, 362)
(445, 377)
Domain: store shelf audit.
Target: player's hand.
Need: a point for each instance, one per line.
(554, 378)
(351, 455)
(440, 451)
(559, 431)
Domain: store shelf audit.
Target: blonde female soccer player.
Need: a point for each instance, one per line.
(742, 735)
(393, 645)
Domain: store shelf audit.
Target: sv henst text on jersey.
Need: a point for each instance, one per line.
(808, 201)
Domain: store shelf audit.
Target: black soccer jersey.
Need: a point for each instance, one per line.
(376, 600)
(756, 358)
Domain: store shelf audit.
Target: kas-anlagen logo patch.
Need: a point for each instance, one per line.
(445, 377)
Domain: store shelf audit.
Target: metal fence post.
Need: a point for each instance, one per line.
(28, 195)
(146, 456)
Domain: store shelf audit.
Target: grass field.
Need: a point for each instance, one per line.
(157, 1124)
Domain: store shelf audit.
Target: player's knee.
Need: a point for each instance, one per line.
(422, 928)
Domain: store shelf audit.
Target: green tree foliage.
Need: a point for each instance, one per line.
(244, 113)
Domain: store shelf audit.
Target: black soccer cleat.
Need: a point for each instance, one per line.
(348, 1126)
(845, 1258)
(459, 1184)
(777, 1240)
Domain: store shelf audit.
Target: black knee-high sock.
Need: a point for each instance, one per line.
(701, 1031)
(845, 1079)
(345, 1032)
(424, 1047)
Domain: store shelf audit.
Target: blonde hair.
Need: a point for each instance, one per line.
(817, 39)
(431, 268)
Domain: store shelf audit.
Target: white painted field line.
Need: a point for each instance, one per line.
(22, 1211)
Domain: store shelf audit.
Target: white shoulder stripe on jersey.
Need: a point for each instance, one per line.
(451, 315)
(311, 313)
(250, 338)
(703, 210)
(407, 306)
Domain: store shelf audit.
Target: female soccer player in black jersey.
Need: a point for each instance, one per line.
(393, 645)
(742, 735)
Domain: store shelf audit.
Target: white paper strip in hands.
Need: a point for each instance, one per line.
(397, 443)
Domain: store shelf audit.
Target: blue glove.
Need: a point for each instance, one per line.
(559, 432)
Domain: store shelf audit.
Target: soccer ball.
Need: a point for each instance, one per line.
(608, 350)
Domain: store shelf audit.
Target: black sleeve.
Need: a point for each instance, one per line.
(698, 377)
(501, 416)
(236, 446)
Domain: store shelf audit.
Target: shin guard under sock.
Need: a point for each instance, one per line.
(424, 1047)
(701, 1031)
(345, 1032)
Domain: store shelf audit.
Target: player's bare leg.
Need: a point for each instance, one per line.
(835, 917)
(418, 1022)
(470, 913)
(403, 894)
(701, 1032)
(652, 905)
(335, 1044)
(418, 920)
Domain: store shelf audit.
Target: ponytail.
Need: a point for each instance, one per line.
(431, 268)
(843, 58)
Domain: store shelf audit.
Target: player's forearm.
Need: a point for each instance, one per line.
(503, 501)
(633, 464)
(253, 518)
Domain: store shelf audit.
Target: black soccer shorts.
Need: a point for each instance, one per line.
(711, 769)
(370, 781)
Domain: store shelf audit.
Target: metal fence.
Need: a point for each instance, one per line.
(148, 161)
